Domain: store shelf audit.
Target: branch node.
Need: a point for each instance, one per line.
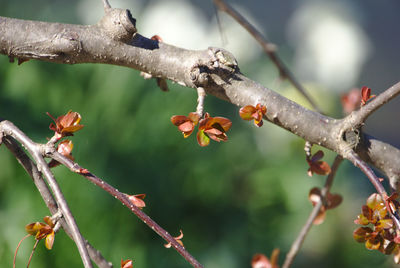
(118, 24)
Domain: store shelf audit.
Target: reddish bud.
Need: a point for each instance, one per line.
(137, 200)
(177, 238)
(65, 125)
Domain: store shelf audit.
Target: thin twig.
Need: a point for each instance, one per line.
(361, 115)
(16, 250)
(31, 169)
(307, 226)
(9, 129)
(269, 49)
(125, 201)
(33, 251)
(356, 160)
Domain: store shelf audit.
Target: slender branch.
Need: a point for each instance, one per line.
(356, 160)
(122, 197)
(10, 129)
(314, 213)
(47, 197)
(359, 117)
(269, 49)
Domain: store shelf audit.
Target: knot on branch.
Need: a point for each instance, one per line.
(66, 42)
(217, 62)
(222, 59)
(118, 24)
(199, 75)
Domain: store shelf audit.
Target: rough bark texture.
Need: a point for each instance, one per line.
(114, 40)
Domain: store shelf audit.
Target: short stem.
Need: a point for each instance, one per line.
(200, 101)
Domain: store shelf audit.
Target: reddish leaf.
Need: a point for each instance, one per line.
(374, 243)
(316, 166)
(202, 139)
(185, 124)
(33, 228)
(362, 220)
(126, 263)
(260, 261)
(384, 224)
(365, 95)
(332, 201)
(361, 233)
(212, 128)
(49, 240)
(178, 119)
(246, 112)
(351, 101)
(49, 221)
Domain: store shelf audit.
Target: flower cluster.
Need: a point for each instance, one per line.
(250, 112)
(42, 230)
(214, 128)
(378, 231)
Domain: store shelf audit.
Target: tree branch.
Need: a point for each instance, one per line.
(47, 197)
(356, 160)
(74, 167)
(314, 213)
(8, 129)
(212, 69)
(114, 41)
(358, 117)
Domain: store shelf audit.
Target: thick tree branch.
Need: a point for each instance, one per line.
(213, 69)
(31, 169)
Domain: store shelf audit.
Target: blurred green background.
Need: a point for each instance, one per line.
(231, 200)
